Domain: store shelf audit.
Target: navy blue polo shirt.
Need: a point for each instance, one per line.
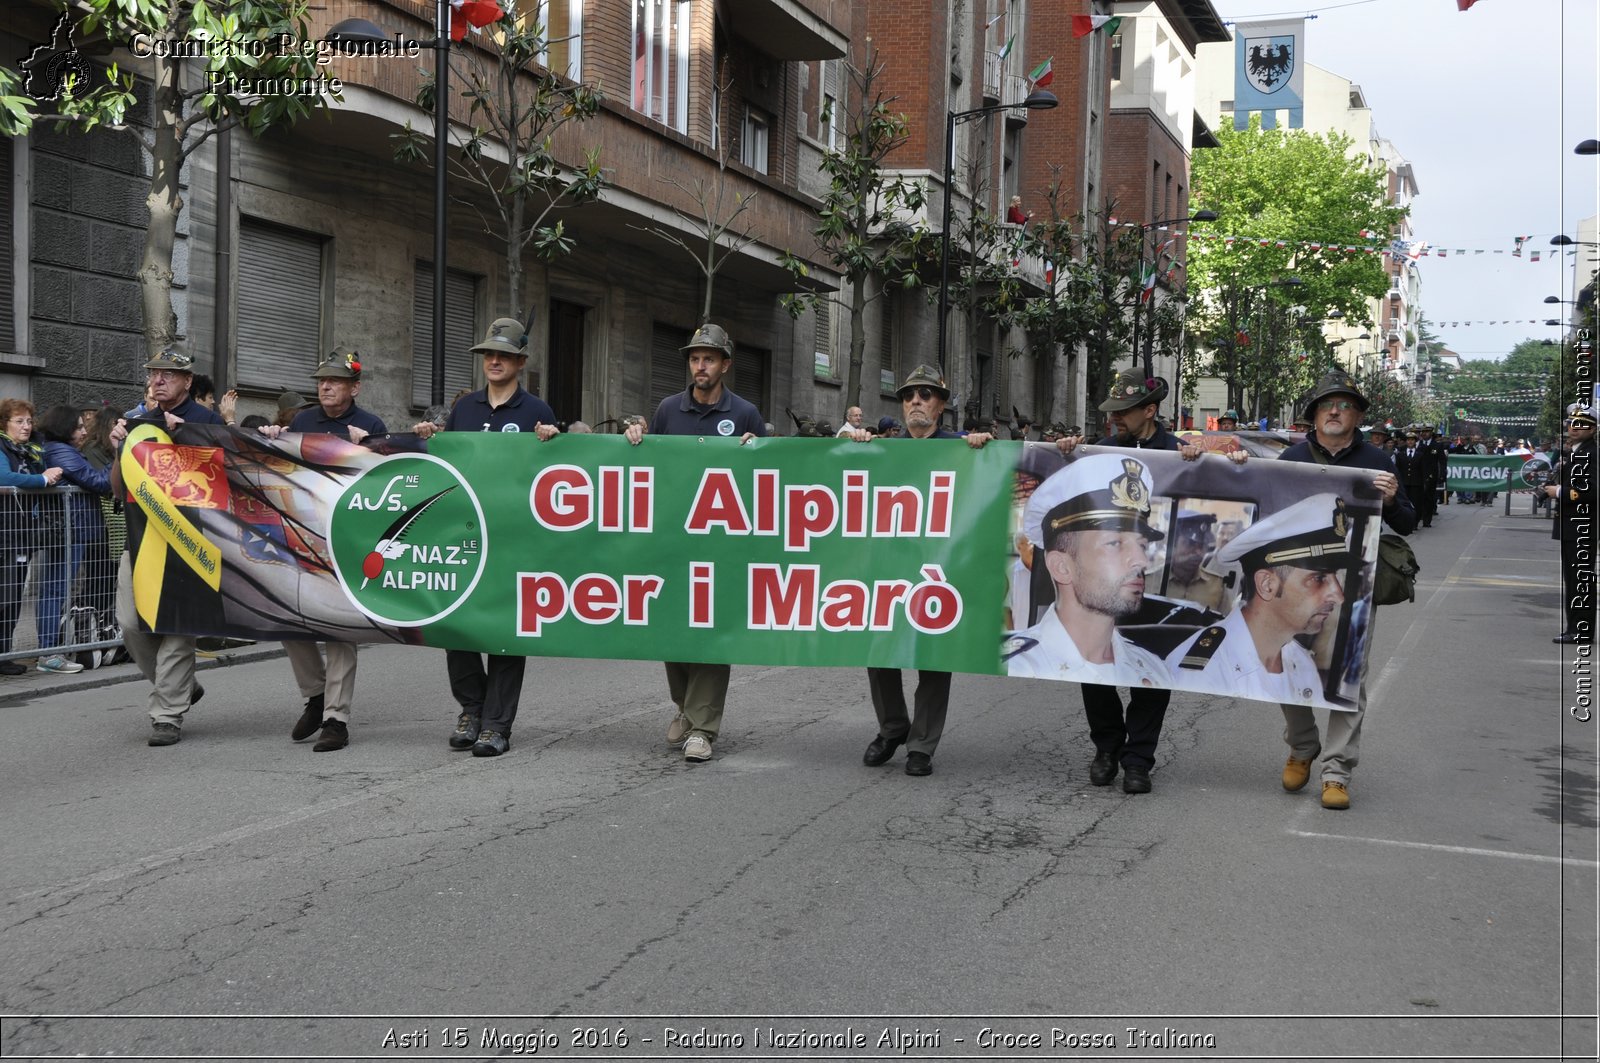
(188, 409)
(678, 415)
(312, 419)
(522, 412)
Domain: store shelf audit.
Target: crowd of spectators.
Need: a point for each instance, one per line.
(60, 528)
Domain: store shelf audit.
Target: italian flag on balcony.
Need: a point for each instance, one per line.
(1083, 25)
(1042, 74)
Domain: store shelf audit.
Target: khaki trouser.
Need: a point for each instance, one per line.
(1341, 749)
(335, 680)
(167, 661)
(699, 691)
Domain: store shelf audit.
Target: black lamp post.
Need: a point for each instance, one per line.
(1037, 100)
(359, 30)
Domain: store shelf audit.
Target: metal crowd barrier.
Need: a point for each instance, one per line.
(58, 576)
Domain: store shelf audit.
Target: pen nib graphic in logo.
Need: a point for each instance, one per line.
(408, 540)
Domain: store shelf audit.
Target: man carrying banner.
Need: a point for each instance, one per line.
(1291, 561)
(706, 408)
(1127, 741)
(1335, 407)
(489, 693)
(923, 395)
(328, 687)
(1574, 492)
(167, 661)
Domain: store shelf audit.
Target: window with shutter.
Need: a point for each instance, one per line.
(825, 360)
(668, 374)
(750, 376)
(280, 333)
(460, 333)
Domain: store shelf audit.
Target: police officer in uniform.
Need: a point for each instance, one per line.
(1290, 562)
(328, 686)
(1130, 741)
(708, 408)
(167, 661)
(923, 395)
(1187, 578)
(489, 693)
(1576, 518)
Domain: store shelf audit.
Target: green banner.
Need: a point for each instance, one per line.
(1485, 473)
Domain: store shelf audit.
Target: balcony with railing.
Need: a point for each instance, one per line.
(993, 75)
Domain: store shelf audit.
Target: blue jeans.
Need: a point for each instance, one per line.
(55, 581)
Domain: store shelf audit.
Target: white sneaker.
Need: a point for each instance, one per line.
(60, 664)
(697, 748)
(678, 730)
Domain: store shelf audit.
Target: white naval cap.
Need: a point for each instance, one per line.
(1313, 533)
(1097, 492)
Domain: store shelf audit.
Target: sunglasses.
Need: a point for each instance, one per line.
(1336, 404)
(925, 394)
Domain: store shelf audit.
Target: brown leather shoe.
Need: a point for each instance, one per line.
(1297, 772)
(1335, 796)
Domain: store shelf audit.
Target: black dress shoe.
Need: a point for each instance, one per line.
(335, 735)
(1135, 781)
(1102, 769)
(919, 764)
(1567, 638)
(880, 750)
(310, 720)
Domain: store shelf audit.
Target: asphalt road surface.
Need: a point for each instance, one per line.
(591, 895)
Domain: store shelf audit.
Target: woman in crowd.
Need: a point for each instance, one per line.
(100, 568)
(19, 515)
(61, 428)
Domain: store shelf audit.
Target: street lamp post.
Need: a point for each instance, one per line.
(361, 31)
(1037, 100)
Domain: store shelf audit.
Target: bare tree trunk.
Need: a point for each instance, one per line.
(514, 262)
(165, 203)
(858, 337)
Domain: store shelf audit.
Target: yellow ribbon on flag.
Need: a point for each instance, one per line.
(166, 528)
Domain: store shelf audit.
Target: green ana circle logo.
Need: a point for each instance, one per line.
(408, 540)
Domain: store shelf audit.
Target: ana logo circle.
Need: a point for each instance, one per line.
(510, 428)
(724, 427)
(408, 540)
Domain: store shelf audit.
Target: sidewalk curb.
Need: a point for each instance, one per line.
(23, 690)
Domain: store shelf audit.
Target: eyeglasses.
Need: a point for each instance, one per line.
(925, 394)
(1336, 404)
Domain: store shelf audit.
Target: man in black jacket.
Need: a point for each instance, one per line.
(1335, 406)
(1574, 492)
(1129, 741)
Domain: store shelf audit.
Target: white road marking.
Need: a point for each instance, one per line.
(1466, 850)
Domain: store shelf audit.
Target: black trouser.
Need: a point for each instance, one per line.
(1425, 499)
(13, 574)
(921, 733)
(1130, 741)
(491, 694)
(1577, 588)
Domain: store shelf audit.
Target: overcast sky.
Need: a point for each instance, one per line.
(1487, 105)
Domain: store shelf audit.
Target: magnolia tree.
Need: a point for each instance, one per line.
(865, 229)
(247, 65)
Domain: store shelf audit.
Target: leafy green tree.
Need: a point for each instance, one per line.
(1577, 352)
(257, 75)
(515, 109)
(1502, 396)
(1390, 401)
(863, 232)
(1276, 192)
(982, 280)
(1089, 298)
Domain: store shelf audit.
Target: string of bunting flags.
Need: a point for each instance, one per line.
(1414, 250)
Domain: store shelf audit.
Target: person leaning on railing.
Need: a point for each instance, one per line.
(61, 428)
(24, 470)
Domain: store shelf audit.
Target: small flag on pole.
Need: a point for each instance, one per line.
(1462, 5)
(1005, 49)
(1083, 25)
(1042, 74)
